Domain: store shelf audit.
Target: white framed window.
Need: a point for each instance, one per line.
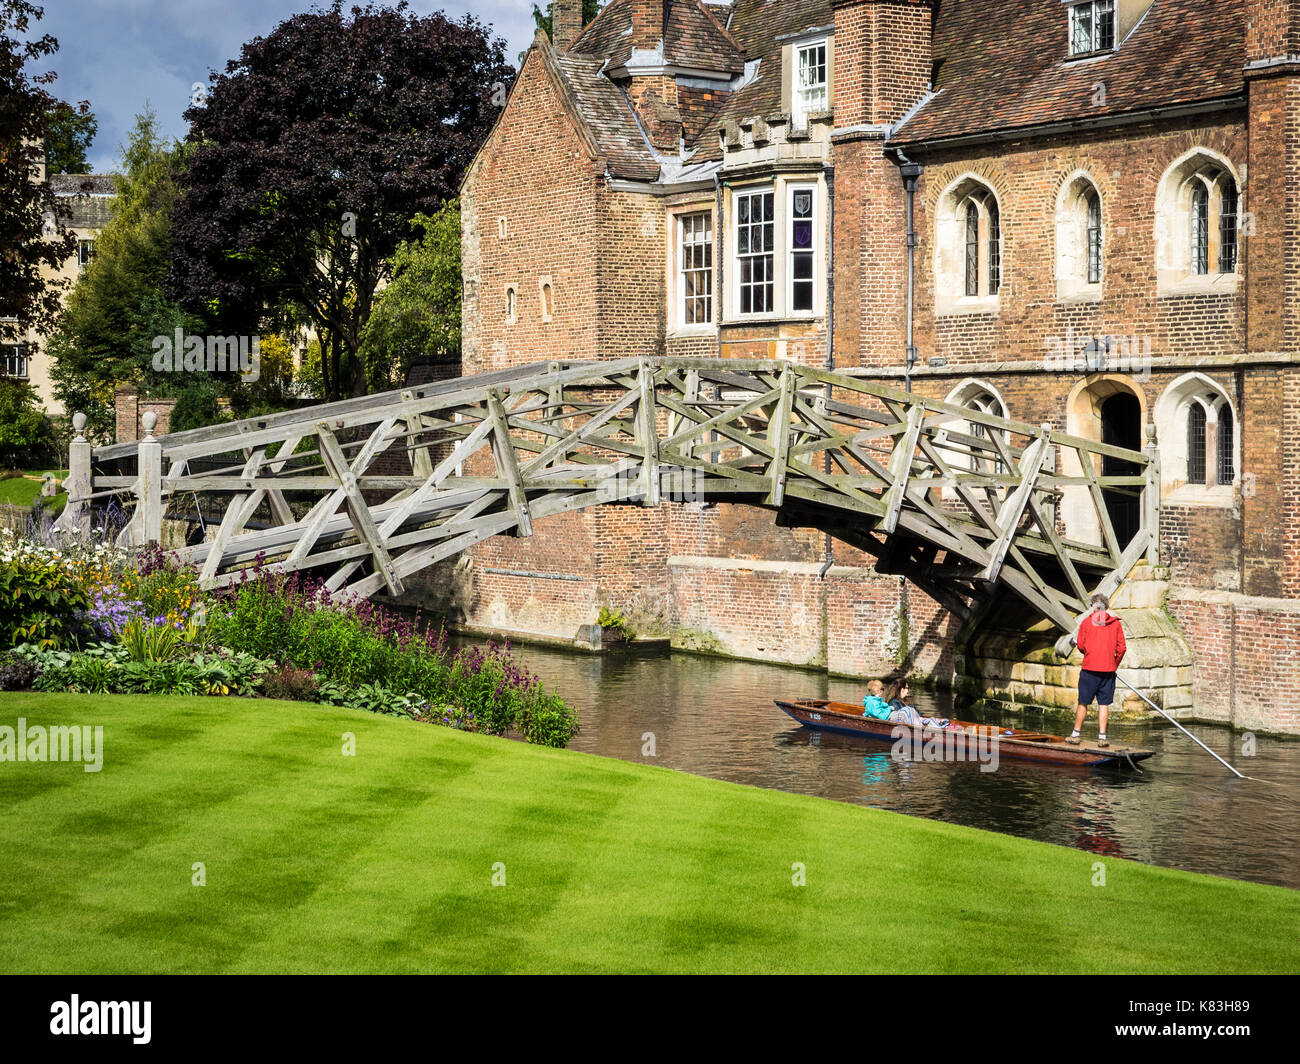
(13, 361)
(546, 292)
(1080, 240)
(1092, 27)
(811, 87)
(85, 251)
(695, 268)
(756, 251)
(801, 247)
(776, 246)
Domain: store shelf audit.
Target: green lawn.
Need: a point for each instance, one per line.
(383, 862)
(22, 491)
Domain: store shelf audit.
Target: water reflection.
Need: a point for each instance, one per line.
(716, 718)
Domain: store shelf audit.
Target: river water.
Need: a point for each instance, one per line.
(715, 717)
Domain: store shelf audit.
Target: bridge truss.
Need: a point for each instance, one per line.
(369, 491)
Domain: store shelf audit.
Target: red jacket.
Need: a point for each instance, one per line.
(1102, 645)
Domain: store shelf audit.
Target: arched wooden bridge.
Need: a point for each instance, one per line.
(371, 490)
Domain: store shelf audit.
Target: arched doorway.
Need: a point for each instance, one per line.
(1121, 426)
(1109, 408)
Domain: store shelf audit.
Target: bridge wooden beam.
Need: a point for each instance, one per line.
(358, 509)
(900, 468)
(508, 465)
(1013, 509)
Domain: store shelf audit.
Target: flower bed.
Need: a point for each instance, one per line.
(94, 618)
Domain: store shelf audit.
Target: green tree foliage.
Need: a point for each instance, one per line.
(33, 240)
(314, 150)
(69, 133)
(26, 434)
(418, 314)
(117, 308)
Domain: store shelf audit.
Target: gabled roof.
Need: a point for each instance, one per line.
(1002, 65)
(692, 38)
(608, 116)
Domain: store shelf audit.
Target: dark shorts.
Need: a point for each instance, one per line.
(1098, 685)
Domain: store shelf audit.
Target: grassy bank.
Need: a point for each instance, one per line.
(383, 862)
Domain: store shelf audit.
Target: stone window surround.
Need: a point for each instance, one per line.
(1174, 276)
(1072, 240)
(950, 247)
(1171, 412)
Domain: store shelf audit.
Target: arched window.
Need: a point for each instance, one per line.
(972, 249)
(1196, 442)
(1200, 218)
(1197, 224)
(1228, 227)
(977, 396)
(968, 247)
(510, 304)
(1079, 240)
(1197, 433)
(1226, 448)
(1093, 203)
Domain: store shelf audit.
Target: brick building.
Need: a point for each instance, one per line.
(1105, 238)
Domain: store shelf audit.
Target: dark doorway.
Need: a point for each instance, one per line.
(1121, 425)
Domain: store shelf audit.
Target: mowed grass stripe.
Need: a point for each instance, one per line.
(254, 820)
(383, 862)
(490, 816)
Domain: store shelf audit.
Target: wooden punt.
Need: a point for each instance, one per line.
(847, 719)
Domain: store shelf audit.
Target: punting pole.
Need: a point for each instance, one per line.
(1181, 728)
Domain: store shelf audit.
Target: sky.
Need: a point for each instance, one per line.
(123, 54)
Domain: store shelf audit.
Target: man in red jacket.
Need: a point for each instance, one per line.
(1101, 641)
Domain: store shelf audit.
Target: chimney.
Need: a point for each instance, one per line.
(882, 58)
(566, 23)
(1272, 31)
(647, 23)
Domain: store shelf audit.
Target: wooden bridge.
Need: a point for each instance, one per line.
(369, 491)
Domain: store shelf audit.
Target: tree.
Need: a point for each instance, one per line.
(418, 313)
(69, 133)
(117, 308)
(26, 433)
(33, 241)
(313, 152)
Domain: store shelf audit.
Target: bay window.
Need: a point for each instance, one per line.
(777, 249)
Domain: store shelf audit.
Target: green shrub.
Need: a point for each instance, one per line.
(290, 683)
(40, 602)
(17, 673)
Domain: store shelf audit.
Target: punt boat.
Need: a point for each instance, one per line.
(847, 719)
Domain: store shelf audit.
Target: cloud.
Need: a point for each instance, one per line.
(123, 54)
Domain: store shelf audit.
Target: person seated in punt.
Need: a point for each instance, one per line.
(892, 706)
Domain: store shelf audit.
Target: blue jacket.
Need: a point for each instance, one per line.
(876, 708)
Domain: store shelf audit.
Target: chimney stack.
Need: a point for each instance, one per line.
(647, 23)
(566, 23)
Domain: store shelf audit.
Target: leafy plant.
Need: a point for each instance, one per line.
(40, 602)
(614, 621)
(145, 641)
(17, 673)
(290, 683)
